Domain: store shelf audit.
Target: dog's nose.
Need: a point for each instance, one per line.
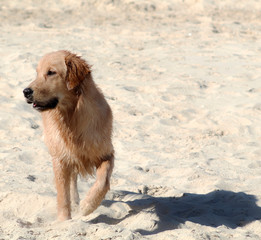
(28, 92)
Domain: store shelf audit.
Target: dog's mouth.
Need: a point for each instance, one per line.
(42, 106)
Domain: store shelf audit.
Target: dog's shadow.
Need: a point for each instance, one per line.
(214, 209)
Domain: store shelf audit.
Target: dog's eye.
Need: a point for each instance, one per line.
(50, 73)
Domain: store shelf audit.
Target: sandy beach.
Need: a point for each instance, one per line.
(183, 78)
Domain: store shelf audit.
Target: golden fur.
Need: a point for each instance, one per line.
(77, 128)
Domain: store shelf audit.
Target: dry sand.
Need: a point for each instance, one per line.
(184, 81)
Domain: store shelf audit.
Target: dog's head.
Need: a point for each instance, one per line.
(59, 74)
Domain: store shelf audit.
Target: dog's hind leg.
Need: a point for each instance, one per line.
(62, 181)
(100, 187)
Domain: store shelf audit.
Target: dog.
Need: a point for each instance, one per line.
(77, 123)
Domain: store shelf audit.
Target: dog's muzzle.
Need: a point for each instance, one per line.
(40, 106)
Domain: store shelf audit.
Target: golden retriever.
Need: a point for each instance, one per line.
(77, 124)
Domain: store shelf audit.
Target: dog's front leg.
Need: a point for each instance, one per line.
(62, 181)
(74, 190)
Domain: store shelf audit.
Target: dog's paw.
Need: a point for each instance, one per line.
(63, 216)
(86, 208)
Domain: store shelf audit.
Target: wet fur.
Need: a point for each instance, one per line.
(77, 131)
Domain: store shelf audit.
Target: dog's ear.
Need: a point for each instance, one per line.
(77, 70)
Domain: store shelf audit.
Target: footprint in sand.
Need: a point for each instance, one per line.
(254, 165)
(170, 121)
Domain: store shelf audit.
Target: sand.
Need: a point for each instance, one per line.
(184, 81)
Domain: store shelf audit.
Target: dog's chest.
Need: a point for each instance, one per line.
(64, 143)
